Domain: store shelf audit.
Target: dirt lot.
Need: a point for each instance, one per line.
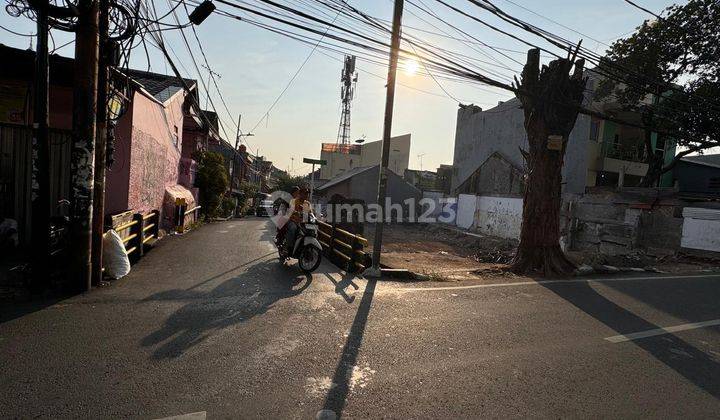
(442, 252)
(447, 253)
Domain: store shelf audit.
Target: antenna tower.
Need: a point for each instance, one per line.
(348, 79)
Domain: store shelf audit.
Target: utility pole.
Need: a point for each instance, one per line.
(98, 215)
(258, 165)
(238, 136)
(83, 150)
(41, 163)
(233, 165)
(374, 271)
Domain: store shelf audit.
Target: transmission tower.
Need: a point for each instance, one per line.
(348, 79)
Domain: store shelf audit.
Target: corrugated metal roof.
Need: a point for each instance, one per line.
(707, 160)
(161, 86)
(345, 176)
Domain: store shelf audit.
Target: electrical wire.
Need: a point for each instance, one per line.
(447, 66)
(212, 75)
(292, 79)
(17, 33)
(632, 3)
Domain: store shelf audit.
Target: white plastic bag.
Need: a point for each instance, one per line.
(115, 260)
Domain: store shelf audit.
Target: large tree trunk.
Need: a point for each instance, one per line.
(654, 172)
(653, 160)
(551, 100)
(539, 249)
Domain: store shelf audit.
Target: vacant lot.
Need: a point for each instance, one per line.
(443, 252)
(448, 253)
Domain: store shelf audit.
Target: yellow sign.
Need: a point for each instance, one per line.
(555, 142)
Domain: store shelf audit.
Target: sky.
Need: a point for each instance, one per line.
(256, 65)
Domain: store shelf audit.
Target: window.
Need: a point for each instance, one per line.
(594, 129)
(660, 143)
(175, 136)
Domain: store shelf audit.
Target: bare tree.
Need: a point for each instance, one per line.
(551, 98)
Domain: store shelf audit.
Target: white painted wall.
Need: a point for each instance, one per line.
(501, 129)
(369, 155)
(499, 216)
(466, 206)
(448, 214)
(701, 229)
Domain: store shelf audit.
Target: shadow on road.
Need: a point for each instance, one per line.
(231, 302)
(342, 285)
(337, 396)
(679, 355)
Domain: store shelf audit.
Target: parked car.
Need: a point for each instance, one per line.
(264, 208)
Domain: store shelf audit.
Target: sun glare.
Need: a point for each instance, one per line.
(411, 67)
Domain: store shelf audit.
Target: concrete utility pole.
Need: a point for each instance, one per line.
(233, 164)
(41, 163)
(374, 271)
(83, 150)
(98, 215)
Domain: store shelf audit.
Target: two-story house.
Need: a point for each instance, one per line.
(488, 143)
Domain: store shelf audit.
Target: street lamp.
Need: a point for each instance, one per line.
(202, 12)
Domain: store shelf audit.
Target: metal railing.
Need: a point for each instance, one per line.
(629, 152)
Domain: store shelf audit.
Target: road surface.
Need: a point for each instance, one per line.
(210, 323)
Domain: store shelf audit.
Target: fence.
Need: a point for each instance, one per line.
(182, 213)
(496, 216)
(343, 248)
(137, 231)
(16, 173)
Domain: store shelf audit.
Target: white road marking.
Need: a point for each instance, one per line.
(541, 282)
(200, 415)
(660, 331)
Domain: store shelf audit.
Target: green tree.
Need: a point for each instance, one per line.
(247, 191)
(212, 180)
(674, 59)
(285, 182)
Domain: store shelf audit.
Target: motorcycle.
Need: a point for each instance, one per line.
(307, 249)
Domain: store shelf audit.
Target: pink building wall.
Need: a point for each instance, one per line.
(117, 176)
(148, 151)
(156, 150)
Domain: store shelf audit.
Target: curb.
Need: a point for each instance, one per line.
(587, 270)
(387, 274)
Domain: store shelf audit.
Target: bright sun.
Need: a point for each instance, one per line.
(411, 67)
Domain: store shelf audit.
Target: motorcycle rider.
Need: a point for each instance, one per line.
(283, 210)
(301, 210)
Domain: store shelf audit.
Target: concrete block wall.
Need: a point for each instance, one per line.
(660, 231)
(605, 228)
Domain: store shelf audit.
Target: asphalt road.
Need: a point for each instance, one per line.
(211, 323)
